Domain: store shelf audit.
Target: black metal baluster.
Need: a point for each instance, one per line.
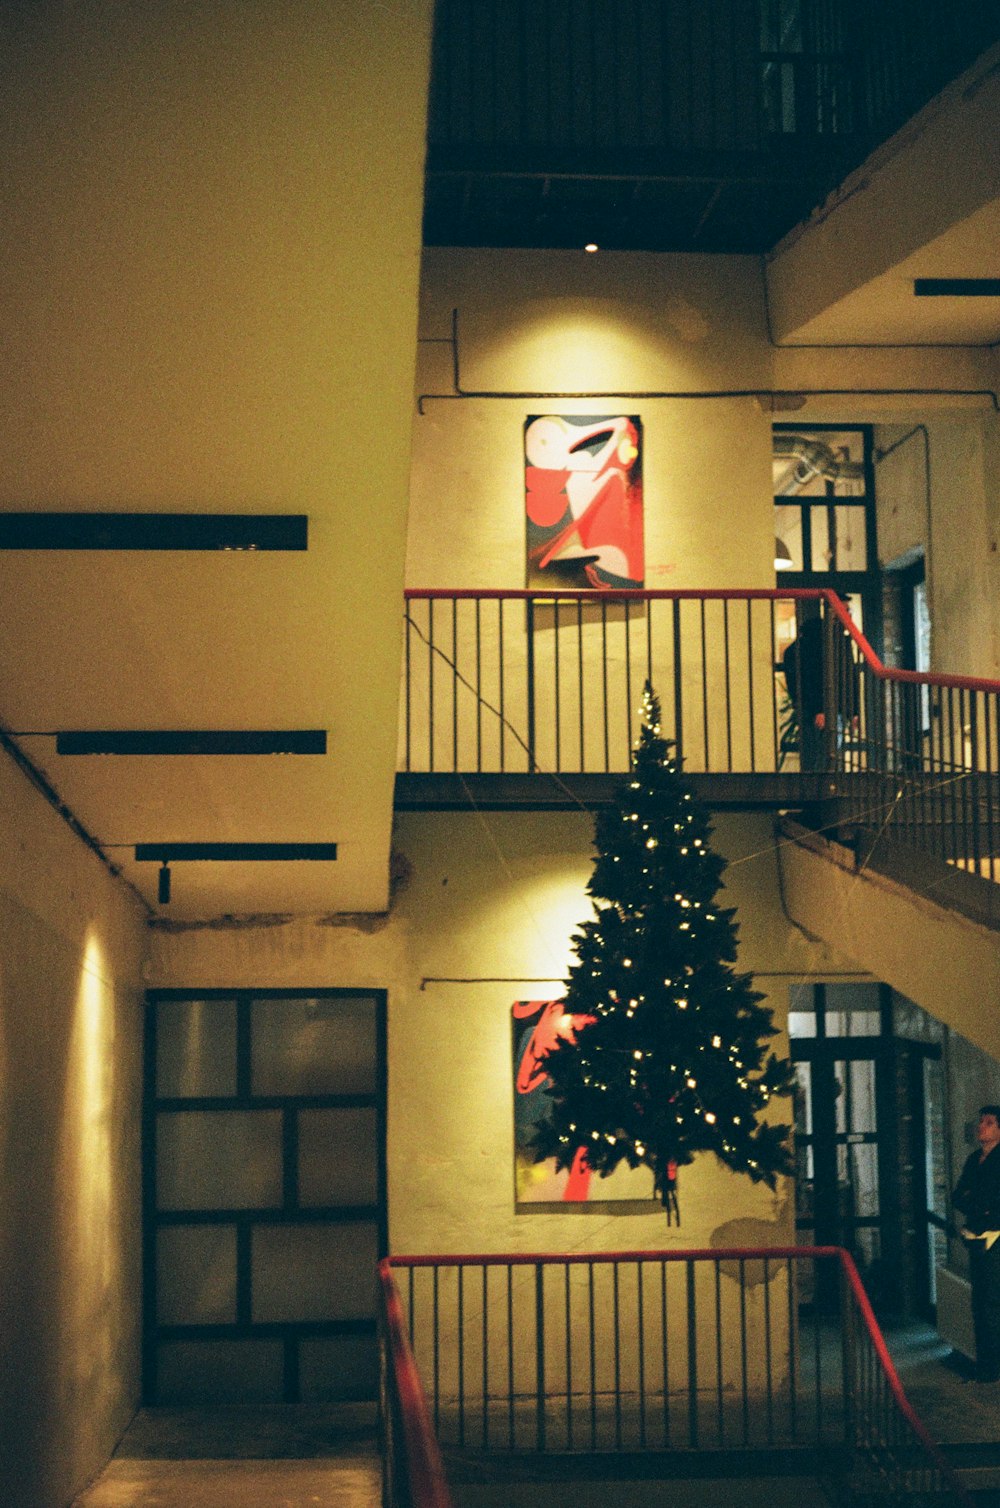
(479, 685)
(604, 679)
(557, 687)
(817, 1368)
(628, 676)
(437, 1354)
(768, 1364)
(744, 1374)
(409, 689)
(750, 702)
(678, 685)
(486, 1356)
(618, 1356)
(665, 1350)
(430, 683)
(990, 706)
(975, 823)
(953, 780)
(579, 689)
(510, 1358)
(793, 1344)
(720, 1416)
(569, 1357)
(593, 1358)
(649, 640)
(692, 1356)
(503, 687)
(461, 1355)
(704, 686)
(775, 734)
(530, 625)
(539, 1356)
(454, 684)
(641, 1323)
(729, 689)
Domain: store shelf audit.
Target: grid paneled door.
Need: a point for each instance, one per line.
(264, 1194)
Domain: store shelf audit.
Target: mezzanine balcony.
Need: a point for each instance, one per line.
(520, 699)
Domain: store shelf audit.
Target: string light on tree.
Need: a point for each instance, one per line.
(675, 1059)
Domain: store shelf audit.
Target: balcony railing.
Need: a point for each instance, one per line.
(521, 683)
(666, 1351)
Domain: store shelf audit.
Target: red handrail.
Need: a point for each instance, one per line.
(712, 594)
(424, 1467)
(749, 1253)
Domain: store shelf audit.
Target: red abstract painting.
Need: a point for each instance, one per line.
(583, 490)
(537, 1026)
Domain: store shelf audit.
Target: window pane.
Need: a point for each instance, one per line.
(820, 463)
(862, 1164)
(220, 1371)
(338, 1368)
(195, 1048)
(196, 1275)
(314, 1272)
(338, 1157)
(803, 1099)
(788, 532)
(839, 539)
(218, 1159)
(314, 1046)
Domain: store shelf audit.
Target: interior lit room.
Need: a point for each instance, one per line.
(488, 490)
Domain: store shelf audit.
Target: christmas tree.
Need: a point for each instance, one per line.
(672, 1057)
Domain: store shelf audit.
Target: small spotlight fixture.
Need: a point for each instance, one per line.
(782, 557)
(259, 853)
(166, 854)
(591, 246)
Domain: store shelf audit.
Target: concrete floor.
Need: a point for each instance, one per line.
(278, 1457)
(294, 1457)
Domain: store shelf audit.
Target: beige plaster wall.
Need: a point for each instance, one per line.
(939, 170)
(616, 323)
(485, 918)
(212, 237)
(956, 527)
(934, 956)
(71, 946)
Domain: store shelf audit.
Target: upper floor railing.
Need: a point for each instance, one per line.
(520, 682)
(659, 1351)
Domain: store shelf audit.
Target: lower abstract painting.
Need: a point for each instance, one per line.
(536, 1026)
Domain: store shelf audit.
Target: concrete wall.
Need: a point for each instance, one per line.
(71, 945)
(484, 918)
(934, 956)
(616, 324)
(951, 516)
(212, 225)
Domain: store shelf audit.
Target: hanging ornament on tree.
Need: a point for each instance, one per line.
(674, 1058)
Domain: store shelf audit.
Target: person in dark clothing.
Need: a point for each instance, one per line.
(802, 664)
(977, 1196)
